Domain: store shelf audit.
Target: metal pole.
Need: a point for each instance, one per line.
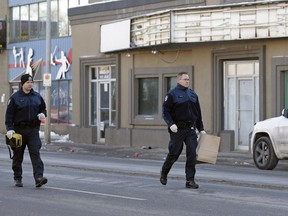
(48, 70)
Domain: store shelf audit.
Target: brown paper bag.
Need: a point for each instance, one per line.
(208, 147)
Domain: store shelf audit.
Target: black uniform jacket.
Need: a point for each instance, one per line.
(182, 104)
(24, 108)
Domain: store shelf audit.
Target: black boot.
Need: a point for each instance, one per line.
(40, 181)
(191, 184)
(163, 178)
(18, 183)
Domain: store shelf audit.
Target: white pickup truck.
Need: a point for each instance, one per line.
(269, 141)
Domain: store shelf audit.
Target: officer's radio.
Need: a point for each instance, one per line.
(15, 141)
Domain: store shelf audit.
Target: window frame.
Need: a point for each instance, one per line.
(279, 67)
(160, 73)
(85, 64)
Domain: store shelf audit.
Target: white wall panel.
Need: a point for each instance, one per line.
(262, 20)
(205, 26)
(233, 25)
(115, 36)
(217, 22)
(200, 24)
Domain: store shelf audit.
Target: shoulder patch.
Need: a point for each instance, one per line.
(166, 98)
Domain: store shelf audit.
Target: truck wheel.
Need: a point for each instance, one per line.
(263, 154)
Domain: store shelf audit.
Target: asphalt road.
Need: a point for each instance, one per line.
(83, 184)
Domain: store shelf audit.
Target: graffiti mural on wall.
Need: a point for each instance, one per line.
(63, 63)
(19, 55)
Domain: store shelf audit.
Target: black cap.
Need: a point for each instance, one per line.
(25, 78)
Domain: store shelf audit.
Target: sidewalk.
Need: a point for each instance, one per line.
(142, 152)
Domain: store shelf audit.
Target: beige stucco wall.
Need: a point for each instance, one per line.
(3, 9)
(87, 46)
(126, 65)
(4, 72)
(4, 89)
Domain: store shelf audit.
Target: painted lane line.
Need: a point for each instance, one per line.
(95, 193)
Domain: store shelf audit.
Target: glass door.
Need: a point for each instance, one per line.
(102, 102)
(103, 109)
(245, 111)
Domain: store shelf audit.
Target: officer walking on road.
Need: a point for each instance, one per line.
(25, 110)
(182, 113)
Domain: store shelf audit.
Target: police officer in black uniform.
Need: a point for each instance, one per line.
(25, 110)
(182, 113)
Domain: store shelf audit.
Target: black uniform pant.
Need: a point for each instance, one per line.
(189, 137)
(31, 139)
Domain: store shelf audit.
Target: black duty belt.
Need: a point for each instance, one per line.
(25, 124)
(185, 124)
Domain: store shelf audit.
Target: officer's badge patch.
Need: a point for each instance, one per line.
(166, 98)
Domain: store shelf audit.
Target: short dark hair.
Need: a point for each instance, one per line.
(181, 73)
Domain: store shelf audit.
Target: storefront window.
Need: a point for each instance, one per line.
(93, 102)
(61, 102)
(148, 96)
(24, 23)
(171, 82)
(15, 25)
(42, 19)
(113, 72)
(33, 21)
(63, 18)
(54, 19)
(113, 103)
